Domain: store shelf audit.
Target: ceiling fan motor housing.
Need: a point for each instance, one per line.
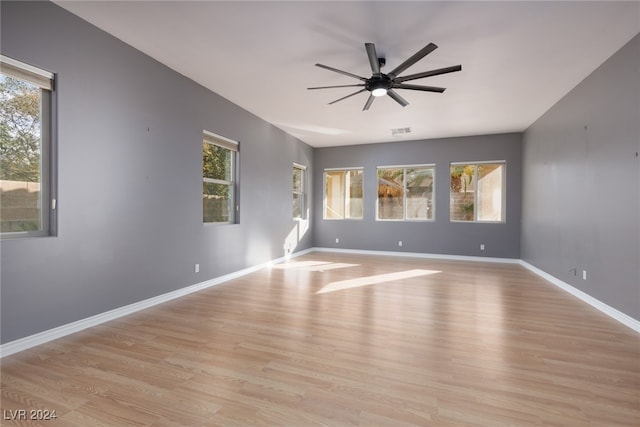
(378, 82)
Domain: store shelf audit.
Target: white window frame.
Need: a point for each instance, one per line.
(503, 213)
(404, 193)
(233, 147)
(303, 190)
(344, 199)
(45, 80)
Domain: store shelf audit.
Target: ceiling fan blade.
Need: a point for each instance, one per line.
(331, 87)
(400, 100)
(429, 73)
(345, 97)
(369, 102)
(346, 73)
(373, 58)
(415, 58)
(418, 87)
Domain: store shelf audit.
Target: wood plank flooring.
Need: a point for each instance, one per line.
(342, 340)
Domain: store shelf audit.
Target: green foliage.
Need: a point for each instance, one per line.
(461, 177)
(467, 208)
(216, 164)
(20, 129)
(297, 180)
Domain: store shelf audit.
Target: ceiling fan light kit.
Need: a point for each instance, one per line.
(380, 84)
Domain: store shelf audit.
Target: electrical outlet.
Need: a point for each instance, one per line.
(337, 240)
(482, 246)
(197, 268)
(399, 242)
(584, 274)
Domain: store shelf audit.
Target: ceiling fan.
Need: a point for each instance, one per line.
(380, 84)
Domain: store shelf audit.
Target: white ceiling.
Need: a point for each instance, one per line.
(518, 58)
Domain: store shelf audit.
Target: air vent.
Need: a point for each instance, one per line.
(400, 131)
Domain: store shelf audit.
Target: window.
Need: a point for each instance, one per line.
(343, 193)
(219, 160)
(405, 193)
(299, 191)
(477, 192)
(26, 203)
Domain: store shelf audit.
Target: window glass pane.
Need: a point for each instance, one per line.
(216, 202)
(462, 201)
(419, 193)
(216, 162)
(298, 192)
(298, 201)
(334, 182)
(477, 192)
(390, 193)
(354, 188)
(490, 179)
(297, 180)
(20, 156)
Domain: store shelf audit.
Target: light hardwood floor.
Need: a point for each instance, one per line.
(338, 340)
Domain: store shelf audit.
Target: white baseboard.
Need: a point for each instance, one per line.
(419, 255)
(606, 309)
(25, 343)
(70, 328)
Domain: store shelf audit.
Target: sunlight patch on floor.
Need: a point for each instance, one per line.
(312, 265)
(373, 280)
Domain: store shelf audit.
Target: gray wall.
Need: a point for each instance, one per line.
(440, 236)
(581, 206)
(129, 172)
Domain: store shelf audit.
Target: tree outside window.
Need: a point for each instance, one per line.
(218, 187)
(24, 141)
(477, 192)
(298, 191)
